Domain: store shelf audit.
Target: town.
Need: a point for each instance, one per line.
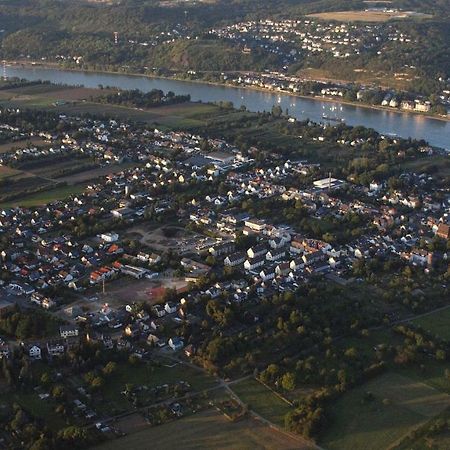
(171, 262)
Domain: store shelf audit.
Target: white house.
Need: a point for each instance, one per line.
(35, 352)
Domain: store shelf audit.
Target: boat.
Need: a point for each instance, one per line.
(333, 119)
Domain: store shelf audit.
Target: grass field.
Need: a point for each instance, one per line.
(205, 431)
(437, 324)
(365, 16)
(262, 400)
(44, 197)
(399, 404)
(437, 166)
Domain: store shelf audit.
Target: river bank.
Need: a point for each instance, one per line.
(320, 98)
(415, 126)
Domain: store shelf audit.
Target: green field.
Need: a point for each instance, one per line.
(206, 431)
(44, 197)
(399, 404)
(262, 400)
(437, 324)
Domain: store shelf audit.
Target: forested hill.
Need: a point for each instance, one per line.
(174, 35)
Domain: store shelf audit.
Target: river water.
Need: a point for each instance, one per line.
(436, 132)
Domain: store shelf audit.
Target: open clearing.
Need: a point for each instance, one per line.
(437, 324)
(367, 16)
(399, 404)
(204, 431)
(262, 401)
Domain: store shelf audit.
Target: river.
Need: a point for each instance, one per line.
(436, 132)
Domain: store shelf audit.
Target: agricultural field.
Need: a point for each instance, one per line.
(23, 143)
(262, 401)
(367, 16)
(379, 413)
(438, 324)
(208, 430)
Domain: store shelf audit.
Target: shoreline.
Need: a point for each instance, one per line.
(56, 66)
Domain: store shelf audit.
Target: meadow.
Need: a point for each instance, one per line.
(381, 412)
(261, 400)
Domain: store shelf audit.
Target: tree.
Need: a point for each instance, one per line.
(288, 381)
(109, 368)
(75, 435)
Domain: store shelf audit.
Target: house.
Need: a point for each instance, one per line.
(275, 254)
(254, 263)
(170, 307)
(5, 351)
(234, 259)
(375, 186)
(34, 352)
(282, 269)
(48, 303)
(109, 237)
(154, 258)
(66, 331)
(313, 257)
(55, 348)
(159, 310)
(152, 339)
(132, 330)
(407, 105)
(267, 274)
(122, 213)
(223, 248)
(257, 250)
(189, 350)
(176, 343)
(443, 231)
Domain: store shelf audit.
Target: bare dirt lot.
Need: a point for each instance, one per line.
(169, 238)
(128, 290)
(366, 16)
